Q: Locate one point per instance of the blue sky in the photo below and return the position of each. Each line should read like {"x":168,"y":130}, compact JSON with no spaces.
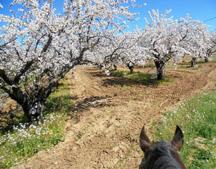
{"x":202,"y":10}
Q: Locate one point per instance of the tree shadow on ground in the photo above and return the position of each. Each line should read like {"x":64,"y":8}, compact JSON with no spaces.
{"x":120,"y":81}
{"x":123,"y":78}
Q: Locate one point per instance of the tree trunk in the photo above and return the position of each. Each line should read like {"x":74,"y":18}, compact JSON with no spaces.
{"x":193,"y":62}
{"x":160,"y":69}
{"x":33,"y":111}
{"x":115,"y":67}
{"x":131,"y":67}
{"x":208,"y":54}
{"x":100,"y":66}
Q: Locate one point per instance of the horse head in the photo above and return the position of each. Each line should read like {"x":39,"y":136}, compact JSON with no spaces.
{"x":162,"y":154}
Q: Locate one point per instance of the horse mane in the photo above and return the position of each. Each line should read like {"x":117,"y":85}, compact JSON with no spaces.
{"x":161,"y":155}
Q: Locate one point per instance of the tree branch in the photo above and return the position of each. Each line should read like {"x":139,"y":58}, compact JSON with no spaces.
{"x":46,"y":45}
{"x":5,"y":77}
{"x":5,"y":44}
{"x":23,"y":70}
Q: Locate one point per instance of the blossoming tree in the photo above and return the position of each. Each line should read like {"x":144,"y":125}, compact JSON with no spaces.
{"x":122,"y":49}
{"x":211,"y":45}
{"x":167,"y":39}
{"x":38,"y":47}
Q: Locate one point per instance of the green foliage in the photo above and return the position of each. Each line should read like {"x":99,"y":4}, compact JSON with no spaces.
{"x":197,"y":118}
{"x":24,"y":141}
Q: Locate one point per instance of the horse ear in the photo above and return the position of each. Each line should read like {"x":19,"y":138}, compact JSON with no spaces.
{"x":177,"y":141}
{"x":145,"y":143}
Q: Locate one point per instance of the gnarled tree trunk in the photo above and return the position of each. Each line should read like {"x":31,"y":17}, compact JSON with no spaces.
{"x":131,"y":67}
{"x":115,"y":67}
{"x":193,"y":62}
{"x":33,"y":111}
{"x":33,"y":95}
{"x":160,"y":69}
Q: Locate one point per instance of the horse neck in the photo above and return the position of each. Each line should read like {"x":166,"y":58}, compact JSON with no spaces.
{"x":177,"y":157}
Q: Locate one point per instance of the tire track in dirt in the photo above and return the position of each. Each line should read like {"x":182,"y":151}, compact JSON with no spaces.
{"x":107,"y":136}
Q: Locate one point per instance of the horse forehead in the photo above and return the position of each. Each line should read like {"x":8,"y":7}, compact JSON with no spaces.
{"x":162,"y":144}
{"x":162,"y":148}
{"x":165,"y":148}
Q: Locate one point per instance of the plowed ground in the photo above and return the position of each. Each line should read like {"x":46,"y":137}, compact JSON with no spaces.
{"x":110,"y":114}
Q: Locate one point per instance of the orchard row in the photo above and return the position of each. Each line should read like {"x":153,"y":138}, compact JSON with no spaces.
{"x":38,"y":46}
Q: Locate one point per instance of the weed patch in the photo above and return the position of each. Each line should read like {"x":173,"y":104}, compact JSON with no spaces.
{"x":23,"y":141}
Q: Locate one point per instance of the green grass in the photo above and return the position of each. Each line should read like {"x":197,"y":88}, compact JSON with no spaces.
{"x":197,"y":118}
{"x":196,"y":67}
{"x":23,"y":142}
{"x":59,"y":99}
{"x":119,"y":73}
{"x":142,"y":78}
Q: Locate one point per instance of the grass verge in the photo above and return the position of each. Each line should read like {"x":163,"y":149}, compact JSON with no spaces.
{"x":22,"y":142}
{"x":197,"y":118}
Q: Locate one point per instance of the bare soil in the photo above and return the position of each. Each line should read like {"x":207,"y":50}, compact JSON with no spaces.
{"x":110,"y":114}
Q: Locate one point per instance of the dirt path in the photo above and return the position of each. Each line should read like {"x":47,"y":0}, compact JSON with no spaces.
{"x":106,"y":133}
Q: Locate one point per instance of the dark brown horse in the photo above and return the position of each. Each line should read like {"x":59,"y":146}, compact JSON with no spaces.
{"x":162,"y":154}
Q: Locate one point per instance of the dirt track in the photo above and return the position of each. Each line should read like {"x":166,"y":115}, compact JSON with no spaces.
{"x":106,"y":134}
